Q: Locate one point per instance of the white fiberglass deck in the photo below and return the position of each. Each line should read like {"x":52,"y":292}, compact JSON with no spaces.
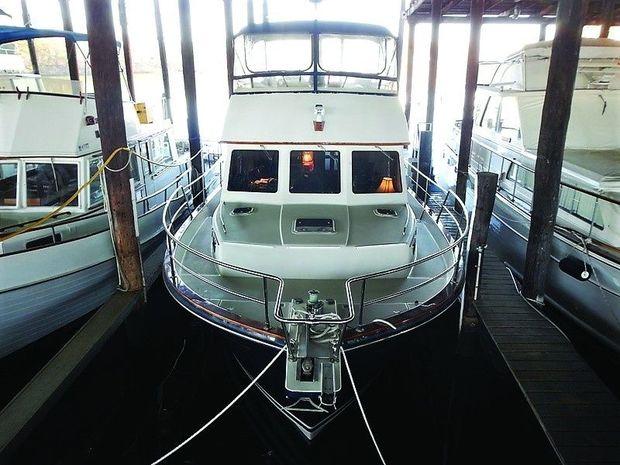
{"x":429,"y":240}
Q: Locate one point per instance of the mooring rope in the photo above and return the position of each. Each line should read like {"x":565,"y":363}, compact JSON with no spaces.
{"x":359,"y":402}
{"x":224,"y":410}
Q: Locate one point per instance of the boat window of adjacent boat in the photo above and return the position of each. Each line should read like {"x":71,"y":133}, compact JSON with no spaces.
{"x":491,"y":110}
{"x":95,"y":192}
{"x":51,"y":183}
{"x":376,"y":172}
{"x":8,"y":184}
{"x":253,"y":171}
{"x":509,"y":121}
{"x":315,"y":172}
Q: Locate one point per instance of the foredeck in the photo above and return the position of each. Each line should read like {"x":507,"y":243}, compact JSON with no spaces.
{"x":198,"y":237}
{"x":577,"y":412}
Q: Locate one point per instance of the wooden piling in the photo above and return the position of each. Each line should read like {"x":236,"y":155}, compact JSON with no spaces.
{"x":409,"y":73}
{"x":189,"y":82}
{"x":67,"y":25}
{"x":31,"y":48}
{"x":486,"y":187}
{"x":433,"y":57}
{"x":108,"y":95}
{"x":552,"y":138}
{"x":163,"y":60}
{"x":265,"y":12}
{"x":122,"y":15}
{"x":471,"y":83}
{"x":230,"y":59}
{"x":542,"y":32}
{"x":607,"y":16}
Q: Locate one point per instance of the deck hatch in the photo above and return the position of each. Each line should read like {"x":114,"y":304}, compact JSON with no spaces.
{"x":314,"y":225}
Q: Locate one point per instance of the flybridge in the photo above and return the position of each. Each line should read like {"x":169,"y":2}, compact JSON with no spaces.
{"x":527,"y":70}
{"x":315,"y":57}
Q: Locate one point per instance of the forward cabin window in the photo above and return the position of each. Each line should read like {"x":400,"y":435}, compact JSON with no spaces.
{"x":253,"y":171}
{"x":8,"y":184}
{"x":376,"y":172}
{"x":51,"y":184}
{"x":95,"y":190}
{"x":315,"y":172}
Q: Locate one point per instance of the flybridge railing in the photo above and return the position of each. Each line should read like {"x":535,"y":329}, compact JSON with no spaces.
{"x":449,"y":210}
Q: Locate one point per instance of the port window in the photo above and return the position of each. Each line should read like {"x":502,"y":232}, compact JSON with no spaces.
{"x":8,"y":184}
{"x":315,"y":172}
{"x":51,"y":184}
{"x":253,"y":171}
{"x":95,"y":191}
{"x":376,"y":172}
{"x":521,"y":176}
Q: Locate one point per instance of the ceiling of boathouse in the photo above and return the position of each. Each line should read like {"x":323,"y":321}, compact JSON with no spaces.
{"x":514,"y":9}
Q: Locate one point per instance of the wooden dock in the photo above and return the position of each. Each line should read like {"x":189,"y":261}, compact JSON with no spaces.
{"x":578,"y":413}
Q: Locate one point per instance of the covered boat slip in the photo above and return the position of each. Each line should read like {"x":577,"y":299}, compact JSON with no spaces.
{"x":197,"y":276}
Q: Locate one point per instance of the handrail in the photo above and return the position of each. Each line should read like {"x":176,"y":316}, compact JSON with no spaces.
{"x":451,"y":247}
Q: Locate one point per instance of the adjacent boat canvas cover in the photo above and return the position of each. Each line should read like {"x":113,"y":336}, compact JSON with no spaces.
{"x":14,"y":33}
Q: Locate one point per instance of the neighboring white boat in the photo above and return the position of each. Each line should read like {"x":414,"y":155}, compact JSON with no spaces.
{"x":49,"y":146}
{"x":320,"y":237}
{"x":584,"y":275}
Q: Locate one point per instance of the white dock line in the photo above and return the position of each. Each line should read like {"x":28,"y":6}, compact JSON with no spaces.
{"x":359,"y":402}
{"x":225,"y":409}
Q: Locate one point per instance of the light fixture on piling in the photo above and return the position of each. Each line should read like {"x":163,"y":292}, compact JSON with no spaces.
{"x":319,"y":117}
{"x":386,"y":186}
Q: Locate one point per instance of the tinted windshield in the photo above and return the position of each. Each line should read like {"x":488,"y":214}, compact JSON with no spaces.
{"x":315,"y":172}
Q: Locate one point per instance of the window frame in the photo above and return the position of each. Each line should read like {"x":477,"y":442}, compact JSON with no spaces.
{"x":311,"y":150}
{"x":18,"y":190}
{"x":399,"y":174}
{"x":52,"y":161}
{"x":90,"y":160}
{"x":276,"y":152}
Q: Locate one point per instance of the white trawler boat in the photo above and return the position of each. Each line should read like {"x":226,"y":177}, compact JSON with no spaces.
{"x":584,"y":275}
{"x":320,"y":237}
{"x":57,"y":271}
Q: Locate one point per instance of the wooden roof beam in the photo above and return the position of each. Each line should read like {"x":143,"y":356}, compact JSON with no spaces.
{"x":413,"y":7}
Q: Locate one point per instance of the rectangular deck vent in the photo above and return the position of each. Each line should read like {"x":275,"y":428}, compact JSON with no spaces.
{"x":314,"y":225}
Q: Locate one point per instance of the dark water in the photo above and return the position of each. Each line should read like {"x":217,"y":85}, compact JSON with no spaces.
{"x":441,"y":400}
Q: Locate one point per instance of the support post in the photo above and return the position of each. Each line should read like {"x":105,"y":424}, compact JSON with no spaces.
{"x":409,"y":74}
{"x":432,"y":63}
{"x":189,"y":81}
{"x":31,"y":49}
{"x":250,"y":10}
{"x":265,"y":12}
{"x":542,"y":32}
{"x":163,"y":60}
{"x":67,"y":25}
{"x":486,"y":187}
{"x":399,"y":40}
{"x":471,"y":82}
{"x":108,"y":95}
{"x":607,"y":17}
{"x":551,"y":141}
{"x":122,"y":15}
{"x":230,"y":60}
{"x":425,"y":164}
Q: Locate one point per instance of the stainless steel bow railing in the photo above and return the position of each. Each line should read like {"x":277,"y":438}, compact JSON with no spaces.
{"x":174,"y":221}
{"x":186,"y":207}
{"x":451,"y":206}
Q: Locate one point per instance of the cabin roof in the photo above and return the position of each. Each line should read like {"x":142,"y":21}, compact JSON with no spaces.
{"x":15,"y":33}
{"x":312,"y":27}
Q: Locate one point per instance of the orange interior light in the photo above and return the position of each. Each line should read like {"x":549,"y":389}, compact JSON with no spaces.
{"x":386,"y":186}
{"x":307,"y":160}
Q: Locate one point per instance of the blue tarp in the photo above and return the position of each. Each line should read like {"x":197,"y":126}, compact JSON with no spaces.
{"x":13,"y":33}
